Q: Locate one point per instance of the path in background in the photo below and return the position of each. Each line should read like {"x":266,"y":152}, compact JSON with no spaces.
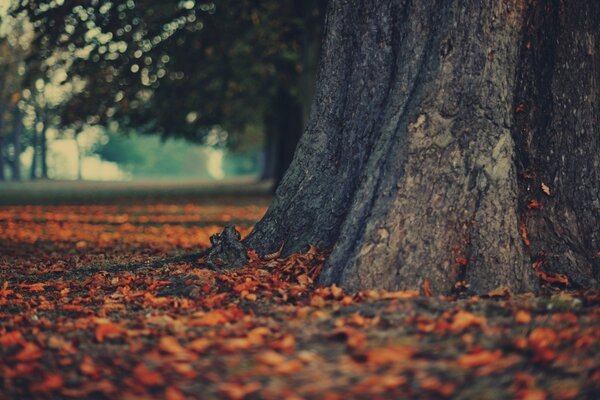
{"x":91,"y":192}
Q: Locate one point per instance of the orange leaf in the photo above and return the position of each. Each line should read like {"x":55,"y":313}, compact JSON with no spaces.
{"x":11,"y":339}
{"x":170,"y":345}
{"x":108,"y":330}
{"x":553,"y":278}
{"x":87,"y":367}
{"x":524,"y":234}
{"x":199,"y":344}
{"x":270,"y":358}
{"x":237,"y":391}
{"x":545,"y":189}
{"x":173,"y":393}
{"x":30,"y":352}
{"x":522,"y":317}
{"x":484,"y":357}
{"x":147,"y":377}
{"x":542,"y":337}
{"x":217,"y":317}
{"x":427,"y":288}
{"x":289,"y":367}
{"x":389,"y":354}
{"x":407,"y":294}
{"x":534,"y":205}
{"x":50,"y":383}
{"x":464,"y":319}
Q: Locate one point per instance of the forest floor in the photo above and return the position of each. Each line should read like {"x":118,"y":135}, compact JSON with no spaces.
{"x":89,"y":308}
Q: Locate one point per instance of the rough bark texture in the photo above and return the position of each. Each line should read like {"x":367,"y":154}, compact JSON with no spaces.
{"x":558,"y":136}
{"x":408,"y":167}
{"x":227,"y":250}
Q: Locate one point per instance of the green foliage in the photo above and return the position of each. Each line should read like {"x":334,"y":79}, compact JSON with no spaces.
{"x":177,"y":68}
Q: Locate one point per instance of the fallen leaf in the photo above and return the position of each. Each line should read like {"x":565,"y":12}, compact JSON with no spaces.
{"x":11,"y":339}
{"x":147,"y":377}
{"x":108,"y":330}
{"x":389,"y":354}
{"x":50,"y":383}
{"x":545,"y":189}
{"x":30,"y":352}
{"x":237,"y":391}
{"x":173,"y":393}
{"x":478,"y":359}
{"x":427,"y":288}
{"x":524,"y":234}
{"x":464,"y":319}
{"x":522,"y":317}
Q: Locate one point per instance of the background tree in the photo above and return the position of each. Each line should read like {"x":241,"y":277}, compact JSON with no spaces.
{"x":180,"y":68}
{"x":451,"y":143}
{"x":13,"y":50}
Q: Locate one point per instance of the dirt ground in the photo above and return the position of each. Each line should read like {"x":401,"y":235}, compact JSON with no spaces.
{"x":112,"y":301}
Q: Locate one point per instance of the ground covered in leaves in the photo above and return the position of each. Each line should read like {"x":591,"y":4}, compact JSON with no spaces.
{"x":103,"y":302}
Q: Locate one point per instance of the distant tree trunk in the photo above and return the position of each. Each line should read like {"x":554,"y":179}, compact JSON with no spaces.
{"x":283,"y":128}
{"x":2,"y":177}
{"x":17,"y":135}
{"x":44,"y":149}
{"x":436,"y":130}
{"x":79,"y":157}
{"x":34,"y":145}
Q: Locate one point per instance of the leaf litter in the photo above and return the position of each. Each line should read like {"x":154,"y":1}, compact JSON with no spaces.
{"x":77,"y":322}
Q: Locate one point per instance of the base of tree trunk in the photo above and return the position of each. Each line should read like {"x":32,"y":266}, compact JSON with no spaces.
{"x":451,"y":144}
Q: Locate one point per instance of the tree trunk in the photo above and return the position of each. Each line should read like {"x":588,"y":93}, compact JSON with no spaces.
{"x":283,"y":128}
{"x":17,"y":134}
{"x":34,"y":144}
{"x":44,"y":148}
{"x":79,"y":158}
{"x":2,"y":177}
{"x":417,"y":161}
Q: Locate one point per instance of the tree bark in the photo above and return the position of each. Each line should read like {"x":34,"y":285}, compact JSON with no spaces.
{"x":34,"y":144}
{"x":79,"y":157}
{"x":283,"y":128}
{"x":2,"y":177}
{"x":17,"y":134}
{"x":44,"y":150}
{"x":414,"y":164}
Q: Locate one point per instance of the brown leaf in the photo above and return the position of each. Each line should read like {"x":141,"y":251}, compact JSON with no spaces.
{"x":484,"y":357}
{"x":389,"y":354}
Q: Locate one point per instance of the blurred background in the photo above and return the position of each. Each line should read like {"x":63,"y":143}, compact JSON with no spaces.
{"x":154,"y":90}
